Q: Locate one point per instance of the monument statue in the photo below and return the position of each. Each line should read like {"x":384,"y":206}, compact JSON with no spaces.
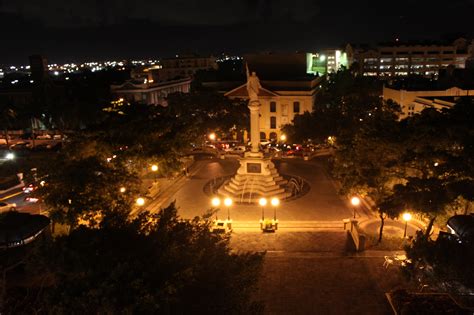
{"x":257,"y":176}
{"x":253,"y":85}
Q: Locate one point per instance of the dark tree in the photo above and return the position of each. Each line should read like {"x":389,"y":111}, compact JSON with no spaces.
{"x":153,"y":264}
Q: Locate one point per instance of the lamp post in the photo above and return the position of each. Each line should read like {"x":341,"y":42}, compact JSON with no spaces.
{"x":263,"y":202}
{"x":154,"y":169}
{"x":355,"y":201}
{"x":283,"y":138}
{"x":212,"y":136}
{"x":216,"y":202}
{"x":275,"y":203}
{"x":406,"y":217}
{"x":123,"y":189}
{"x":228,"y":203}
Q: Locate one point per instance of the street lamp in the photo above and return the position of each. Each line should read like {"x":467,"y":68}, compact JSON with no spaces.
{"x":228,"y":203}
{"x":154,"y":169}
{"x":355,"y":201}
{"x":283,"y":138}
{"x":140,"y":201}
{"x":275,"y":203}
{"x":123,"y":189}
{"x":212,"y":136}
{"x":263,"y":202}
{"x":216,"y":202}
{"x":407,"y":217}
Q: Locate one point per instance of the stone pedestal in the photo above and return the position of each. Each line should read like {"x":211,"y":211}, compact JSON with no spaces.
{"x":256,"y":177}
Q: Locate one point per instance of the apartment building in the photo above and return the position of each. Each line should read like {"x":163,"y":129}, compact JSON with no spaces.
{"x":402,"y":59}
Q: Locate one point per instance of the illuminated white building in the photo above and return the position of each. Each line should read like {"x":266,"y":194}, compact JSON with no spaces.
{"x":414,"y":101}
{"x":280,"y":102}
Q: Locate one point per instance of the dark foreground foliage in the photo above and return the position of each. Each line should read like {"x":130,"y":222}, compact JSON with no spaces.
{"x":154,"y":264}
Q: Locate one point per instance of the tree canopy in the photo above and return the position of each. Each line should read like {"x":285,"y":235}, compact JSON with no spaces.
{"x":152,"y":264}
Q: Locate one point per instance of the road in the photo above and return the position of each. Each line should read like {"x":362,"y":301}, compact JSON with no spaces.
{"x":17,"y":196}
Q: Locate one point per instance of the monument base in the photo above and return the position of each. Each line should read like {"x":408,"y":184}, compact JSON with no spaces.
{"x":256,"y":177}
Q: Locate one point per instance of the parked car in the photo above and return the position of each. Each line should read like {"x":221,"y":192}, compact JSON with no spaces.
{"x":240,"y":150}
{"x":43,"y":137}
{"x":31,"y":199}
{"x":21,"y":145}
{"x":29,"y":188}
{"x":5,"y":206}
{"x":43,"y":147}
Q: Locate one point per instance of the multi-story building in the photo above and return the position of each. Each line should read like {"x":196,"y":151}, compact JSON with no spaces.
{"x":184,"y":66}
{"x":280,"y":102}
{"x":402,"y":59}
{"x":150,"y":93}
{"x":414,"y":101}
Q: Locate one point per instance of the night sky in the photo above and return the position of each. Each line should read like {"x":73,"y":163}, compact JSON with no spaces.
{"x":102,"y":29}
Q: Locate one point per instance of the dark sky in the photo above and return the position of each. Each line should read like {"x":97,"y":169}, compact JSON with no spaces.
{"x":71,"y":30}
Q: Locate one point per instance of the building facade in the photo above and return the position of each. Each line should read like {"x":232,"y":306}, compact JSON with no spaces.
{"x":413,"y":102}
{"x":150,"y":93}
{"x":402,"y":59}
{"x":280,"y":102}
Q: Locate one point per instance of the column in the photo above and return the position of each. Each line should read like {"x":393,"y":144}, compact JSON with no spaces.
{"x":254,"y":125}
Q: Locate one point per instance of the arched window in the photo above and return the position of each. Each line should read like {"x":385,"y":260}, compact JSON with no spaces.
{"x":273,"y":136}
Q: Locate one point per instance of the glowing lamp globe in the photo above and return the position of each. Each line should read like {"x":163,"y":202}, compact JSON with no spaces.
{"x":228,"y":202}
{"x":215,"y":202}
